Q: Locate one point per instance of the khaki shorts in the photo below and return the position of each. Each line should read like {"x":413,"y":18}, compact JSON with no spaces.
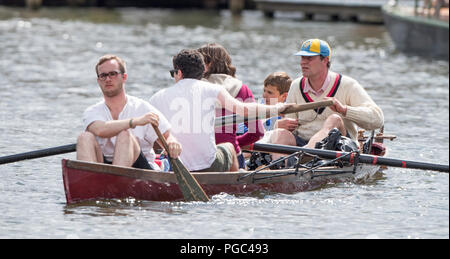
{"x":223,"y":161}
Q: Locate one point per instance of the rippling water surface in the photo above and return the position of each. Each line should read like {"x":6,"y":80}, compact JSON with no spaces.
{"x":47,"y":77}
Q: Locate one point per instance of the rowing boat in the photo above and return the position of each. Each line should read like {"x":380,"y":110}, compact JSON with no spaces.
{"x":88,"y":181}
{"x":94,"y":181}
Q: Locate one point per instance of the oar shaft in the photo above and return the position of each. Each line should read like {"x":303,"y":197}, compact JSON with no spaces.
{"x":363,"y":158}
{"x":236,"y":119}
{"x":38,"y":154}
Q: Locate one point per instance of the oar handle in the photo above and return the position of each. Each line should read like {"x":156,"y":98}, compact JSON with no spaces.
{"x":235,"y":119}
{"x":307,"y":106}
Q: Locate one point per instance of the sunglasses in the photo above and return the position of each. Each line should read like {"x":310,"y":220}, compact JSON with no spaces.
{"x":112,"y":75}
{"x":172,"y":72}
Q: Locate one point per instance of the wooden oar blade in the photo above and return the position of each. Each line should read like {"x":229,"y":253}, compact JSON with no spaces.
{"x":188,"y":184}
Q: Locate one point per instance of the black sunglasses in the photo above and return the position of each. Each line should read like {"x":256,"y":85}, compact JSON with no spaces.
{"x":172,"y":72}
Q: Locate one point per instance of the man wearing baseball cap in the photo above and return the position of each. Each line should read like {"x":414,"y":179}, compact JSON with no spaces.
{"x":352,"y":107}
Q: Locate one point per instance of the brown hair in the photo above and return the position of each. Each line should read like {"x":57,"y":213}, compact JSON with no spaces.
{"x":103,"y":59}
{"x":218,"y":60}
{"x":279,"y":79}
{"x":329,"y":62}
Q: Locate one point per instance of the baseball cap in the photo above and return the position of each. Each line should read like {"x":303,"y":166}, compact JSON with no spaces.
{"x":314,"y":47}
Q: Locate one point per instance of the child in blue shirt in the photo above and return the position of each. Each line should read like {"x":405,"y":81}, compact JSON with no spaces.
{"x":276,"y":88}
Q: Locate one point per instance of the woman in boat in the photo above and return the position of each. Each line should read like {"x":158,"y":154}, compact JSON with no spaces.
{"x":190,"y":106}
{"x":117,"y":129}
{"x":220,"y":71}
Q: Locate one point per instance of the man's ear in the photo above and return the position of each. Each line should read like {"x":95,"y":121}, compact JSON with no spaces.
{"x":125,"y":76}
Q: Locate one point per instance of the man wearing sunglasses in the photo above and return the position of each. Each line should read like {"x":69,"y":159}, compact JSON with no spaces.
{"x":117,"y":129}
{"x":190,"y":107}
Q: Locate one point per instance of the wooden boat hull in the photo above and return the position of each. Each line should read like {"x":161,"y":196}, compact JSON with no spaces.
{"x":93,"y":181}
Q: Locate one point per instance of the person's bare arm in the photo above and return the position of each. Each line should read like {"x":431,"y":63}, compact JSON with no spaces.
{"x":248,"y":109}
{"x":108,"y":129}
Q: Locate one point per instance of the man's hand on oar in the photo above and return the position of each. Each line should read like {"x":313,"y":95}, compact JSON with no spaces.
{"x":174,"y":146}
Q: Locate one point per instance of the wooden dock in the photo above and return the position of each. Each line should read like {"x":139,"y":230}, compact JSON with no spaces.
{"x":235,"y":6}
{"x":353,"y":10}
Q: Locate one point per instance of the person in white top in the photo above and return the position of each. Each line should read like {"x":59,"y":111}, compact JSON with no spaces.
{"x":117,"y":129}
{"x":190,"y":105}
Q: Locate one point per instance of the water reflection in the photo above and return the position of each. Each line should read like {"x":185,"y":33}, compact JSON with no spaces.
{"x":119,"y":207}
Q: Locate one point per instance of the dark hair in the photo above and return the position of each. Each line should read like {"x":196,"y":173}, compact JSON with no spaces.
{"x":329,"y":62}
{"x":190,"y":62}
{"x":218,"y":60}
{"x":280,"y":80}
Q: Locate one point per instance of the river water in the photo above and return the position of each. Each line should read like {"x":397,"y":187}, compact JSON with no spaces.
{"x":47,"y":77}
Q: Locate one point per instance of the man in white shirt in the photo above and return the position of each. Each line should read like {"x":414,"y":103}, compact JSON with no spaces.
{"x":190,"y":106}
{"x":117,"y":129}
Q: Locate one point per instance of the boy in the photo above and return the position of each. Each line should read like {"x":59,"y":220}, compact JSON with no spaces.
{"x":276,"y":88}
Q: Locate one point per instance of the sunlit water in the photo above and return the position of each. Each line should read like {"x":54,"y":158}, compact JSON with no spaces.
{"x":47,"y":79}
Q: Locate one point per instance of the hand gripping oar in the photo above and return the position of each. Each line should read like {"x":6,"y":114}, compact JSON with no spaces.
{"x":363,"y":158}
{"x":236,"y":119}
{"x":38,"y":154}
{"x":191,"y":189}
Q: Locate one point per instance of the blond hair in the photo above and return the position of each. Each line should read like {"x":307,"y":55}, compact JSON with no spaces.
{"x":103,"y":59}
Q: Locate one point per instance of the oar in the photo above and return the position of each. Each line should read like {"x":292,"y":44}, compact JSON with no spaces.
{"x":191,"y":189}
{"x":363,"y":158}
{"x":236,"y":119}
{"x":38,"y":153}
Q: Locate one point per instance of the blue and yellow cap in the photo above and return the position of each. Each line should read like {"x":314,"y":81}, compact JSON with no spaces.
{"x":314,"y":47}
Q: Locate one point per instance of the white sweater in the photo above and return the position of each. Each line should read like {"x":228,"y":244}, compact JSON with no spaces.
{"x":361,"y":109}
